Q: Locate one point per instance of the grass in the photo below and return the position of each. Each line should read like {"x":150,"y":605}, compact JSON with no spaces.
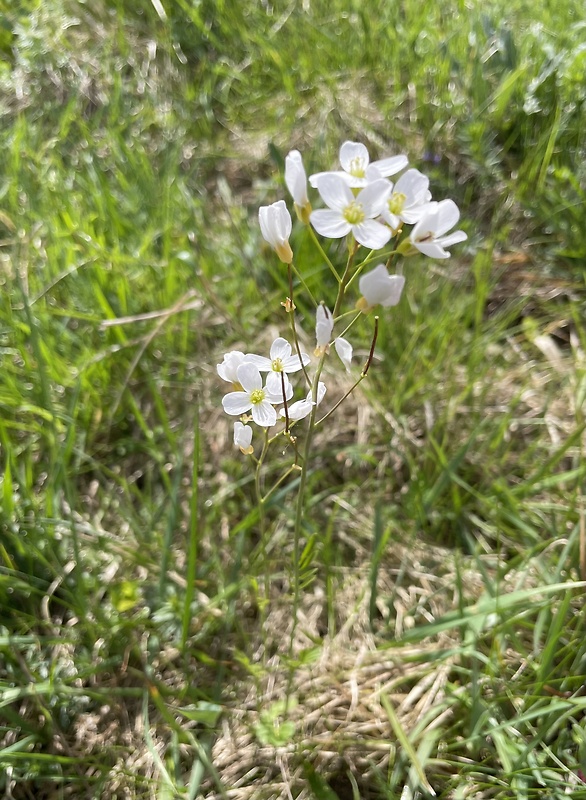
{"x":441,"y":638}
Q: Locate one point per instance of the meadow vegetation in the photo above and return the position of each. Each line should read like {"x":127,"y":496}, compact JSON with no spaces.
{"x":440,"y":647}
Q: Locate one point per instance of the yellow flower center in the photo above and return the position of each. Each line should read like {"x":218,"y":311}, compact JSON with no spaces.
{"x":354,"y":213}
{"x":277,"y":365}
{"x":257,"y":396}
{"x":357,"y":167}
{"x":396,"y":202}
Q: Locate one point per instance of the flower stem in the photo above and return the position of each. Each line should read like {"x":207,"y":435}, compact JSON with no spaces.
{"x":323,"y":253}
{"x":260,"y":500}
{"x":299,"y":508}
{"x":291,"y":267}
{"x":363,"y":374}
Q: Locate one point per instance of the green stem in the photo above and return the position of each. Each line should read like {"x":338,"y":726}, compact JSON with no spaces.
{"x":323,"y":254}
{"x":291,"y":267}
{"x":299,"y":512}
{"x":363,"y":374}
{"x":263,"y":539}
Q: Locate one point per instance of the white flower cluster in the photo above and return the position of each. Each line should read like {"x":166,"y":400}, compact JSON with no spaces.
{"x":361,"y":200}
{"x":363,"y":204}
{"x":243,"y":371}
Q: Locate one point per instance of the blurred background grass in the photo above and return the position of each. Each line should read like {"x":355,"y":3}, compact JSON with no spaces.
{"x":137,"y":141}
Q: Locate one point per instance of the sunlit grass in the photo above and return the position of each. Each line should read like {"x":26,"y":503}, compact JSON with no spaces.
{"x":137,"y":142}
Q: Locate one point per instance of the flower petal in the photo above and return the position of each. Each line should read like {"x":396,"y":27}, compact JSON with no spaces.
{"x":274,"y":385}
{"x":264,"y":414}
{"x":392,"y":165}
{"x":374,"y":196}
{"x":324,"y":324}
{"x":329,"y":223}
{"x":280,"y":348}
{"x":236,"y":403}
{"x":293,"y":364}
{"x":344,"y":350}
{"x":335,"y":192}
{"x":295,"y":178}
{"x":353,"y":154}
{"x":249,"y":376}
{"x":298,"y":410}
{"x":414,"y":185}
{"x":431,"y":249}
{"x":452,"y":238}
{"x":371,"y":234}
{"x":448,"y":215}
{"x":242,"y":435}
{"x":227,"y":369}
{"x":262,"y":363}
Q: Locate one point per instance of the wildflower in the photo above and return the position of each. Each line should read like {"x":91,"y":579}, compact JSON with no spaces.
{"x":275,"y":226}
{"x":227,"y":369}
{"x":296,"y":181}
{"x":357,"y":171}
{"x":324,"y":324}
{"x":428,"y":234}
{"x":349,"y":214}
{"x":279,"y":363}
{"x":253,"y":396}
{"x":344,"y":351}
{"x":408,"y":199}
{"x":243,"y":438}
{"x":377,"y":287}
{"x":302,"y":408}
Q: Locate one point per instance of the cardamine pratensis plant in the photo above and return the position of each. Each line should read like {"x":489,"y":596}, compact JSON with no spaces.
{"x":370,"y":210}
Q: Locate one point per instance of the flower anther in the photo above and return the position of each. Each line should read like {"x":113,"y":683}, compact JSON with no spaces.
{"x":354,"y":213}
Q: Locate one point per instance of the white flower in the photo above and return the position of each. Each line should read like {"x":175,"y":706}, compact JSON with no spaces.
{"x":324,"y":325}
{"x":302,"y":408}
{"x":428,"y":234}
{"x":346,"y":213}
{"x":275,"y":226}
{"x":408,"y":199}
{"x":296,"y":181}
{"x":357,"y":171}
{"x":227,"y":369}
{"x":344,"y":350}
{"x":378,"y":287}
{"x":280,"y":362}
{"x":254,"y":397}
{"x":243,"y":438}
